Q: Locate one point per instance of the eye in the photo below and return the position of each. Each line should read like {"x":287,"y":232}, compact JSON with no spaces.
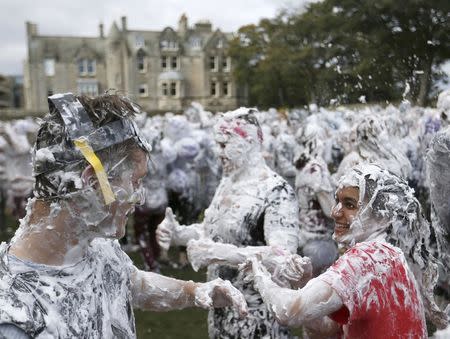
{"x":221,"y":145}
{"x":350,"y":205}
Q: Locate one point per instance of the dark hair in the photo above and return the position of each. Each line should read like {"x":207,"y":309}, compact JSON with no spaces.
{"x":52,"y":134}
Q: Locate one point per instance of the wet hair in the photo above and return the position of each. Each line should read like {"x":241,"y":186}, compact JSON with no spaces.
{"x":52,"y":134}
{"x":390,"y":199}
{"x":247,"y":117}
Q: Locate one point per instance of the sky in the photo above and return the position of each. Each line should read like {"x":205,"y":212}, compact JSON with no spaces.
{"x":82,"y":17}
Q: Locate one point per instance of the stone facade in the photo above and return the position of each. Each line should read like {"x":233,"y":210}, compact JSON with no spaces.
{"x":163,"y":70}
{"x":6,"y":95}
{"x":11,"y":92}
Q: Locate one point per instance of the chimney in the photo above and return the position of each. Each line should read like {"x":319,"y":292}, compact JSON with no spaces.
{"x":100,"y":29}
{"x":124,"y":23}
{"x":31,"y":29}
{"x":203,"y":26}
{"x":182,"y":25}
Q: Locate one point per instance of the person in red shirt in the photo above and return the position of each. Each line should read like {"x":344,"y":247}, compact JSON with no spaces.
{"x":382,"y":286}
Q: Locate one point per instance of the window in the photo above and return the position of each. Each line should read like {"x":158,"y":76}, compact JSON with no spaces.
{"x":164,"y":89}
{"x":141,"y":62}
{"x":164,"y":62}
{"x":169,"y":45}
{"x":213,"y":63}
{"x":174,"y":64}
{"x":81,"y":67}
{"x":213,"y":88}
{"x":143,"y":90}
{"x":226,"y":88}
{"x":173,"y":89}
{"x":90,"y":66}
{"x":86,"y":66}
{"x":88,"y":87}
{"x":196,"y":43}
{"x":226,"y":64}
{"x":140,"y":41}
{"x":49,"y":67}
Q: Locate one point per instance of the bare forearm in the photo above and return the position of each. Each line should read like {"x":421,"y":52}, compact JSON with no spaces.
{"x":155,"y":292}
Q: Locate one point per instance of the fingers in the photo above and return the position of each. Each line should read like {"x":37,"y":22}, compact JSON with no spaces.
{"x":169,"y":215}
{"x":237,"y":299}
{"x":165,"y":230}
{"x":163,"y":237}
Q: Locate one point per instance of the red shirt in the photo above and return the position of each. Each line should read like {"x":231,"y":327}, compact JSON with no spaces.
{"x":380,"y":294}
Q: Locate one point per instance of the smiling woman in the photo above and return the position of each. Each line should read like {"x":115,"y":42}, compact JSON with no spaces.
{"x":345,"y":210}
{"x":383,"y":284}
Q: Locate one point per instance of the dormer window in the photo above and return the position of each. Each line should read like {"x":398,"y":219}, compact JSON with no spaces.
{"x":90,"y":66}
{"x":86,"y":66}
{"x":49,"y":67}
{"x":140,"y":41}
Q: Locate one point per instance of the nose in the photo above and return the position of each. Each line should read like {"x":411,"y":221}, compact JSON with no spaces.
{"x":336,"y":211}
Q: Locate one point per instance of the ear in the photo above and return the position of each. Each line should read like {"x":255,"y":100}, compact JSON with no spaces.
{"x":88,"y":177}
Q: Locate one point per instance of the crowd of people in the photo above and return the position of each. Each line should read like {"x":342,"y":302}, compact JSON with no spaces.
{"x":334,"y":219}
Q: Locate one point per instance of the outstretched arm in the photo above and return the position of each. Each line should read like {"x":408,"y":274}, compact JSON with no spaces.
{"x":281,"y":233}
{"x":307,"y":306}
{"x":156,"y":292}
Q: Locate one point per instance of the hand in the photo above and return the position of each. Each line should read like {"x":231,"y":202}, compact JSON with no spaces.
{"x":220,"y":293}
{"x":253,"y":268}
{"x":200,"y":252}
{"x":295,"y":271}
{"x":165,"y":230}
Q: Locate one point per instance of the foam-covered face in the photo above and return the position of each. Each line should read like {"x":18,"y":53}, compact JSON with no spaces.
{"x":233,"y":151}
{"x":110,"y":220}
{"x":238,"y":141}
{"x":129,"y":191}
{"x":356,"y":214}
{"x":344,"y":213}
{"x":354,"y":220}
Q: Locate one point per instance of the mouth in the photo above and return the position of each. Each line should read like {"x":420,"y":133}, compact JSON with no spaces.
{"x":340,"y":229}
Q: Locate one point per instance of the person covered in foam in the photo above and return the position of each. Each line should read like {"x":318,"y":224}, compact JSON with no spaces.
{"x":382,"y":286}
{"x":254,"y":210}
{"x":314,"y":189}
{"x":64,"y":275}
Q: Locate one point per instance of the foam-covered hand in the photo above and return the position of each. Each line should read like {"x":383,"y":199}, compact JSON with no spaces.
{"x":295,"y":271}
{"x":165,"y":230}
{"x":220,"y":293}
{"x":201,"y":252}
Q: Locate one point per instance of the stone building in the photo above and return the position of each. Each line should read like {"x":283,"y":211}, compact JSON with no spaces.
{"x":11,"y":92}
{"x":163,"y":70}
{"x":5,"y":92}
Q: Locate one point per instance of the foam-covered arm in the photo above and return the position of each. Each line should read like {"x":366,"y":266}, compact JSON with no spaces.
{"x":295,"y":308}
{"x":183,"y":234}
{"x":204,"y":252}
{"x":154,"y":292}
